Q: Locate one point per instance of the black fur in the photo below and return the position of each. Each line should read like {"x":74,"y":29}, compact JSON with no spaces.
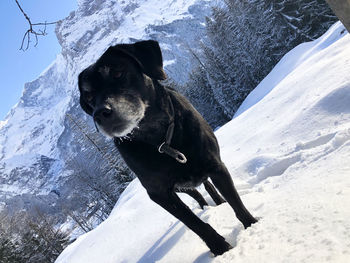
{"x":160,"y":174}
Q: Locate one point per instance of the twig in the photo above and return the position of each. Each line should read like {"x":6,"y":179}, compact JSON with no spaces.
{"x":31,"y":31}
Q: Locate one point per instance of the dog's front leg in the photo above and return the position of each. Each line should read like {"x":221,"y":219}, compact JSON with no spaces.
{"x":173,"y":204}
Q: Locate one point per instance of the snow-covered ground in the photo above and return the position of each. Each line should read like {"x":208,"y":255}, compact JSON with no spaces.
{"x":288,"y":151}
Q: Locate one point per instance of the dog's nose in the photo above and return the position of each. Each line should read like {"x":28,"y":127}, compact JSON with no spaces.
{"x":102,"y":114}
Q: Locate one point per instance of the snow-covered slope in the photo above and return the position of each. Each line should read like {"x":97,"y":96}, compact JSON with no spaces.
{"x":288,"y":152}
{"x":35,"y":137}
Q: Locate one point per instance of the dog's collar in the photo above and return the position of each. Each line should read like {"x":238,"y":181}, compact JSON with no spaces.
{"x":165,"y":146}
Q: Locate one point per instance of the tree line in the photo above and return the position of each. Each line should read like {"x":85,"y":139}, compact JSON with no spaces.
{"x":245,"y":40}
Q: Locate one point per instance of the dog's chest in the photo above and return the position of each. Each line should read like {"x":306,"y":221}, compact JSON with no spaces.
{"x":150,"y":165}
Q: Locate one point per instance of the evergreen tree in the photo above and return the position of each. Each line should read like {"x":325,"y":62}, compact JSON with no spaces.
{"x":24,"y":238}
{"x":99,"y":176}
{"x":246,"y":38}
{"x":199,"y":92}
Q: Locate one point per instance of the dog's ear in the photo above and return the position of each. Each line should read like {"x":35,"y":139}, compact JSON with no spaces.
{"x":148,"y":55}
{"x":83,"y":104}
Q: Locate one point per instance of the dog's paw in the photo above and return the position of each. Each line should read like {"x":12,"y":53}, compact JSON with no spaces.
{"x":220,"y":248}
{"x":250,"y":222}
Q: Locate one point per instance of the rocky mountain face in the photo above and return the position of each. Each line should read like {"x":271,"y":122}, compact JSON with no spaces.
{"x":35,"y":137}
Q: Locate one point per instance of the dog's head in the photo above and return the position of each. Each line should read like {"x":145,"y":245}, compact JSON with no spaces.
{"x":116,"y":91}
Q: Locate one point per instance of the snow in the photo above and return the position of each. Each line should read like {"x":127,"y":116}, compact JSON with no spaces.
{"x":168,"y":62}
{"x":131,"y":20}
{"x":288,"y":63}
{"x":3,"y":123}
{"x":288,"y":152}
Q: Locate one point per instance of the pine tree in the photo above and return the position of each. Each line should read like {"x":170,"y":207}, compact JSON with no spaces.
{"x":199,"y":92}
{"x":27,"y":238}
{"x":99,"y":176}
{"x":247,"y":38}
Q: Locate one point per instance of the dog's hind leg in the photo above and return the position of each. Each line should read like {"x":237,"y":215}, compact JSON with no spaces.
{"x":173,"y":204}
{"x":194,"y":194}
{"x":213,"y":193}
{"x":222,"y":180}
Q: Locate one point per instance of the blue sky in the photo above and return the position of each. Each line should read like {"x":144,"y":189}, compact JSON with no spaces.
{"x":18,"y":67}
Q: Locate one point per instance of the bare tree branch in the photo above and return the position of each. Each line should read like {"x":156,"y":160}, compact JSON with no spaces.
{"x":31,"y":31}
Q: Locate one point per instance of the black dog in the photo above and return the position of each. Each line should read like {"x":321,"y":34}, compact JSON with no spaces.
{"x":162,"y":138}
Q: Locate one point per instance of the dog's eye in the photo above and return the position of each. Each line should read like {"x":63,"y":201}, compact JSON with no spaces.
{"x":117,"y":74}
{"x":88,"y":96}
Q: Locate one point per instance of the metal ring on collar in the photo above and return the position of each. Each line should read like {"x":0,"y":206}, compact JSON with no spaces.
{"x":160,"y":148}
{"x":178,"y":156}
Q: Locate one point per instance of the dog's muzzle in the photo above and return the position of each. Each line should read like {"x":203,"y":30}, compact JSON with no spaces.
{"x":118,"y":118}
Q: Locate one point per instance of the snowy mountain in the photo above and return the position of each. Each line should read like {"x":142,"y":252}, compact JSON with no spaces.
{"x":288,"y":151}
{"x":34,"y":137}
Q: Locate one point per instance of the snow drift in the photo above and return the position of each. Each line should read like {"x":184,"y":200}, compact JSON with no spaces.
{"x":288,"y":152}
